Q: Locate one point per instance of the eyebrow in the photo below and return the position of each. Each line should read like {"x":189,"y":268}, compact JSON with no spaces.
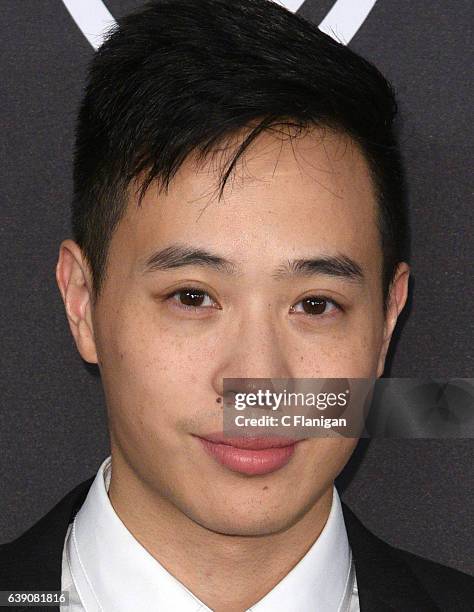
{"x":179,"y":256}
{"x":339,"y":266}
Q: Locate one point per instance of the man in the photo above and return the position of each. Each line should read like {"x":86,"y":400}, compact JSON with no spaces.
{"x":238,"y":213}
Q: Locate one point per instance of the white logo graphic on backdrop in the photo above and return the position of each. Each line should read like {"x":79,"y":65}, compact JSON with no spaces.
{"x":341,"y":23}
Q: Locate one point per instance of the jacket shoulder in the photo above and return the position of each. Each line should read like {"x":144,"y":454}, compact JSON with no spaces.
{"x":450,"y":587}
{"x":33,"y":560}
{"x":400,"y":580}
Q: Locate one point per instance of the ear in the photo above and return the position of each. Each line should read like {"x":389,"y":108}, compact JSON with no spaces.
{"x":396,"y":302}
{"x":75,"y":284}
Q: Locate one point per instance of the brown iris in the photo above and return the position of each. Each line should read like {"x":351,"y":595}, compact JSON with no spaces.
{"x":314,"y":305}
{"x":191,"y":297}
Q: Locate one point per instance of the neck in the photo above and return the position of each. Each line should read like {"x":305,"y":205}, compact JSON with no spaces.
{"x":226,"y":572}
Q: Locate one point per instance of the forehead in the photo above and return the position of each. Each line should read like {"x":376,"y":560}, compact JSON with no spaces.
{"x":286,"y":196}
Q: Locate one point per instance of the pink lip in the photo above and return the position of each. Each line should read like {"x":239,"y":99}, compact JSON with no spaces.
{"x":247,"y":455}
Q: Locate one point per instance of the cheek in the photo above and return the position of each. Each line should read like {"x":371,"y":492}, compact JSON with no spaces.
{"x":351,"y":351}
{"x":323,"y":461}
{"x":150,"y":373}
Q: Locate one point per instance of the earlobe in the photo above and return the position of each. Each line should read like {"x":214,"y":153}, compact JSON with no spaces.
{"x":397,"y":300}
{"x":74,"y":282}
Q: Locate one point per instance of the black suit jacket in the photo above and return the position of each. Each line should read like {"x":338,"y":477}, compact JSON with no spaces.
{"x":389,"y":579}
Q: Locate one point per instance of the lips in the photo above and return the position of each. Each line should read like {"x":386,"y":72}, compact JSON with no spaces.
{"x":249,"y":455}
{"x":251,"y":442}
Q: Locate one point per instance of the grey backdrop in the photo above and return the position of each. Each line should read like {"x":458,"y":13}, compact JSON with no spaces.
{"x":417,"y":494}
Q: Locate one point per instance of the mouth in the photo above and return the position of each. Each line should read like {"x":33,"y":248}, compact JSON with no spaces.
{"x":249,"y":455}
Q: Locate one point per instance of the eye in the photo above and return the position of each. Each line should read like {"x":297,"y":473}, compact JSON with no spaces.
{"x":315,"y":305}
{"x":191,"y":298}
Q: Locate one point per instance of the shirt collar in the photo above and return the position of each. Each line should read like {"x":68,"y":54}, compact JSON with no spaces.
{"x":113,"y":571}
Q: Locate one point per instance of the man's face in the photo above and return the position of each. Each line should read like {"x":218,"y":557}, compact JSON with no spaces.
{"x":164,"y":350}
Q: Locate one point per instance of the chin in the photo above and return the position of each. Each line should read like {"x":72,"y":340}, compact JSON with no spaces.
{"x":249,"y":526}
{"x":247,"y":519}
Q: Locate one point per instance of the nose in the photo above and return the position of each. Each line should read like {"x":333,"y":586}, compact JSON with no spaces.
{"x":256,"y":348}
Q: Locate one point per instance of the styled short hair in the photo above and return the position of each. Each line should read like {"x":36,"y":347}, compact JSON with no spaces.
{"x":181,"y":76}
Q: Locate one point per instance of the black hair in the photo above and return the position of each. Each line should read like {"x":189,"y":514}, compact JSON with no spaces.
{"x":180,"y":76}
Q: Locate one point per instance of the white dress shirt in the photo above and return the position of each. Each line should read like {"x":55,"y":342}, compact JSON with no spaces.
{"x":106,"y":569}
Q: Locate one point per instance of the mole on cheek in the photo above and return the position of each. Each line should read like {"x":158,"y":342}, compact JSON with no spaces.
{"x":219,"y":400}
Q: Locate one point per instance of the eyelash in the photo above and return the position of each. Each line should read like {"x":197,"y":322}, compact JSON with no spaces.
{"x":201,"y":292}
